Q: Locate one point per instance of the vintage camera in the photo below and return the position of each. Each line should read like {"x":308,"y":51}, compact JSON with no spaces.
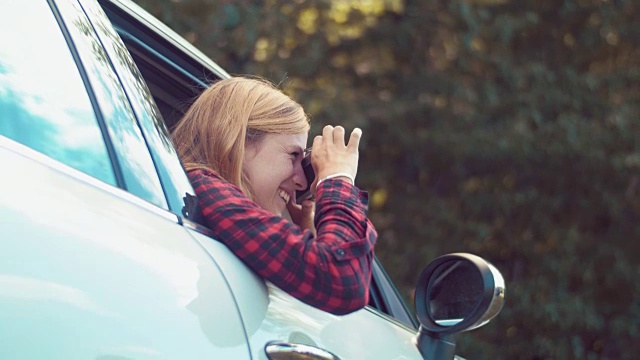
{"x":305,"y":194}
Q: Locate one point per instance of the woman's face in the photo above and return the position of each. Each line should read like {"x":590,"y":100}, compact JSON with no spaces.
{"x":274,"y":167}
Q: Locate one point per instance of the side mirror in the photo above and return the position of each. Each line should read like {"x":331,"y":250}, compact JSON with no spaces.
{"x":455,"y":293}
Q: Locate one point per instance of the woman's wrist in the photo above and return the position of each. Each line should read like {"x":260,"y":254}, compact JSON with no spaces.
{"x":343,"y":176}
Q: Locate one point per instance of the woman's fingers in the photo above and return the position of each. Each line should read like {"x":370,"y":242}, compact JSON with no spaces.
{"x":338,"y":135}
{"x":331,"y":156}
{"x":335,"y":135}
{"x":317,"y":141}
{"x":327,"y":134}
{"x":354,"y":139}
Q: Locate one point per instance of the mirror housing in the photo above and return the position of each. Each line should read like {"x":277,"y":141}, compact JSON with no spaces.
{"x":455,"y":293}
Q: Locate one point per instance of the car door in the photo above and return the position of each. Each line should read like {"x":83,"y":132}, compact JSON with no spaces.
{"x":93,"y":263}
{"x":271,"y":315}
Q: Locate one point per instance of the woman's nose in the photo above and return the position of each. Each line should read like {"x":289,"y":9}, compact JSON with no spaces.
{"x":299,"y":179}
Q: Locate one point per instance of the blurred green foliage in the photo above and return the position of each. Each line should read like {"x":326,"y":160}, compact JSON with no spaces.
{"x":505,"y":128}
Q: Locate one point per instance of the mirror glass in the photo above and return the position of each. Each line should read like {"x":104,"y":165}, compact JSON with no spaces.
{"x":455,"y":289}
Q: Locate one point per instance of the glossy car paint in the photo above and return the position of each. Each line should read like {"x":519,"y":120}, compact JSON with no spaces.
{"x":88,"y":271}
{"x":271,"y":314}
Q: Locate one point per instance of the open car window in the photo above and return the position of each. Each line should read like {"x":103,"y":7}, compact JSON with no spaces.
{"x":175,"y":72}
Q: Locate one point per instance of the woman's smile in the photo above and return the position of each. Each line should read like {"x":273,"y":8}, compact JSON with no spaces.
{"x":284,"y":195}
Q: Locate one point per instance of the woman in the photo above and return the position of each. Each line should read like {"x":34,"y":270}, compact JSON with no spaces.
{"x":242,"y":143}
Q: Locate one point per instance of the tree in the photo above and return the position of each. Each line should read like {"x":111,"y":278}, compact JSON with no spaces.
{"x":503,"y":128}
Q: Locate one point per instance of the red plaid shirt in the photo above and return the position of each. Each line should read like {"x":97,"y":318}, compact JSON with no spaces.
{"x":331,"y":271}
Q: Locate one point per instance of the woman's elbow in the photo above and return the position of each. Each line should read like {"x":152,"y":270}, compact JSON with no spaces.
{"x":348,"y":301}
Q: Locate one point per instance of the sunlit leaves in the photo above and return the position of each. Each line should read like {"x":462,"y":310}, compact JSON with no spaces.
{"x":501,"y":127}
{"x":308,"y":20}
{"x":261,"y":52}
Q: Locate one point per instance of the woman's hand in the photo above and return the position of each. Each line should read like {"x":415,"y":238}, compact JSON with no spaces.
{"x":330,"y":155}
{"x":302,"y":215}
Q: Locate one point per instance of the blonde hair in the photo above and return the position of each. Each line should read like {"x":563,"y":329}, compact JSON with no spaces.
{"x":228,"y":115}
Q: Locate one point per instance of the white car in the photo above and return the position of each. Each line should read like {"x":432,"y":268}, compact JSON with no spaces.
{"x":102,"y":256}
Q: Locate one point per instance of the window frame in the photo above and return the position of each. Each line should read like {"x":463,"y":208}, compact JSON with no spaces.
{"x":163,"y":55}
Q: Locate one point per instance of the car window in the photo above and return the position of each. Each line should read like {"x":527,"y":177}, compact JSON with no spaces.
{"x":175,"y":183}
{"x":174,"y":70}
{"x":43,"y":100}
{"x":136,"y":168}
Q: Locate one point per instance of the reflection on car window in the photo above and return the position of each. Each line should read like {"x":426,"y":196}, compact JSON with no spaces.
{"x":177,"y":187}
{"x":43,"y":101}
{"x":135,"y":163}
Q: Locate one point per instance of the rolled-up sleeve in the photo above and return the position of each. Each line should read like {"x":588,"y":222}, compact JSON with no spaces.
{"x":331,"y":271}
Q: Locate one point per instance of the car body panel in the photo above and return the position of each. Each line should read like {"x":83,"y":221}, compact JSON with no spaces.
{"x":270,"y":314}
{"x":86,"y":273}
